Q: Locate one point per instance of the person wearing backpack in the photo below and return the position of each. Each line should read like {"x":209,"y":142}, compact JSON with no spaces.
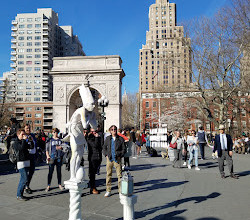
{"x":21,"y":146}
{"x":202,"y":139}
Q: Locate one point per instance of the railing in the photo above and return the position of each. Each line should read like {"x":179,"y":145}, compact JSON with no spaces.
{"x":48,"y":110}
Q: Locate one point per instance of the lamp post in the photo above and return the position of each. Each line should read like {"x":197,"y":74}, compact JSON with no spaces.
{"x":103,"y":102}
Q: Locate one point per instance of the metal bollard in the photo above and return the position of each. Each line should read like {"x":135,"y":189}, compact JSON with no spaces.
{"x":127,"y":198}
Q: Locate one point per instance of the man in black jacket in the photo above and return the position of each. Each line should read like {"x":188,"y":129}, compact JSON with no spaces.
{"x":21,"y":146}
{"x":113,"y":149}
{"x":94,"y":157}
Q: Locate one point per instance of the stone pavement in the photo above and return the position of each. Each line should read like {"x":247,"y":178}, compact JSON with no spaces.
{"x":163,"y":192}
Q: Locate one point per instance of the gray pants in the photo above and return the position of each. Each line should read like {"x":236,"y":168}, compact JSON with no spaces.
{"x":225,"y":156}
{"x":177,"y":158}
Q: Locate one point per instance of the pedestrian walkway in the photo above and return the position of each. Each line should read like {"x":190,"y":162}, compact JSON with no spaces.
{"x":163,"y":192}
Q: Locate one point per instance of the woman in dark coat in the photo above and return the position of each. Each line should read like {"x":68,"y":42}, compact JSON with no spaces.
{"x":94,"y":157}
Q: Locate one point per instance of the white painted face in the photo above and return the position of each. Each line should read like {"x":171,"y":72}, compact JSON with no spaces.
{"x":87,"y":98}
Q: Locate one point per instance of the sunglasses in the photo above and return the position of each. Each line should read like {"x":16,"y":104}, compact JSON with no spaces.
{"x":113,"y":129}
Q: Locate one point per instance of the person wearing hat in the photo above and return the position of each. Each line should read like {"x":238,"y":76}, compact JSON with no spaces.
{"x":223,"y":144}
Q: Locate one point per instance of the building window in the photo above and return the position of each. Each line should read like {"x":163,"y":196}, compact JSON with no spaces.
{"x":29,"y":50}
{"x":21,"y":26}
{"x":147,"y":114}
{"x":29,"y":32}
{"x":28,"y":69}
{"x":37,"y":69}
{"x":37,"y":93}
{"x":38,"y":56}
{"x":29,"y":62}
{"x":37,"y":25}
{"x":36,"y":99}
{"x":37,"y":43}
{"x":38,"y":108}
{"x":154,"y":104}
{"x":28,"y":93}
{"x":29,"y":56}
{"x":38,"y":115}
{"x":147,"y":104}
{"x":38,"y":19}
{"x":29,"y":109}
{"x":38,"y":122}
{"x":28,"y":115}
{"x":29,"y":25}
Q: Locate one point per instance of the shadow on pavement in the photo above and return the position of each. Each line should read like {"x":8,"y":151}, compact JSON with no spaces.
{"x":157,"y":184}
{"x":170,"y":215}
{"x":48,"y":194}
{"x":209,"y":165}
{"x":146,"y":166}
{"x":197,"y":199}
{"x":208,"y":218}
{"x":244,"y":173}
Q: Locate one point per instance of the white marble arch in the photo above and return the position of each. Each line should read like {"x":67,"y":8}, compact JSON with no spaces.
{"x":104,"y":74}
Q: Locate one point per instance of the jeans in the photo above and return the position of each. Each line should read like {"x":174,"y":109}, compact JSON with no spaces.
{"x":23,"y":180}
{"x":31,"y":169}
{"x":202,"y":146}
{"x":195,"y":154}
{"x":58,"y":170}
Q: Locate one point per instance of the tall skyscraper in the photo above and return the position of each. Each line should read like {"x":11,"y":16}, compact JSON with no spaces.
{"x":164,"y":63}
{"x":37,"y":38}
{"x":165,"y":58}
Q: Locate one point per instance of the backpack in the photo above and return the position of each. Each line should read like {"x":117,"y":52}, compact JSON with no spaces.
{"x":13,"y":154}
{"x":152,"y":152}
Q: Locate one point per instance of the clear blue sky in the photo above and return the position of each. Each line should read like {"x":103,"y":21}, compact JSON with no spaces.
{"x":104,"y":27}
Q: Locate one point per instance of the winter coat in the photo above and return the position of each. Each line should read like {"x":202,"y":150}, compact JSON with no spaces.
{"x":21,"y":146}
{"x":120,"y":148}
{"x":94,"y":148}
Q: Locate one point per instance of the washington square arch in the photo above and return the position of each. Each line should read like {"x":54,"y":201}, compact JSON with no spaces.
{"x":104,"y":76}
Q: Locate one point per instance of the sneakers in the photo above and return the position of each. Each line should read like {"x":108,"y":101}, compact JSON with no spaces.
{"x":107,"y":194}
{"x":189,"y":166}
{"x":197,"y":168}
{"x":185,"y":164}
{"x":123,"y":167}
{"x":47,"y":189}
{"x":22,"y":198}
{"x":61,"y":187}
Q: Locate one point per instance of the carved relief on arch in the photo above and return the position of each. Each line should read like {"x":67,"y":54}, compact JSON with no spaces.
{"x":100,"y":87}
{"x":70,"y":91}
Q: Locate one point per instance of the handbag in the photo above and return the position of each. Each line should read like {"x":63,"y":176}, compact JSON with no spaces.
{"x":50,"y":161}
{"x":174,"y":145}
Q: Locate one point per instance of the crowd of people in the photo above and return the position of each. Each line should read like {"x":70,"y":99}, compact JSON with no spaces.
{"x":114,"y":145}
{"x":191,"y":143}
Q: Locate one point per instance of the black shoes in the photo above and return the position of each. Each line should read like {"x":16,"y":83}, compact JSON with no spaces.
{"x":22,"y":198}
{"x":28,"y":191}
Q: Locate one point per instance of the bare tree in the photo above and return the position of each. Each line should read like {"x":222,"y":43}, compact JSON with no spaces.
{"x":129,"y":110}
{"x":220,"y":58}
{"x":6,"y":104}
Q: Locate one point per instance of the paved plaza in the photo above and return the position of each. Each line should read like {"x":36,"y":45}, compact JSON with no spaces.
{"x":163,"y":192}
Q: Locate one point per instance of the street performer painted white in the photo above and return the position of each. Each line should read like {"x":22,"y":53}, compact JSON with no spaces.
{"x":80,"y":120}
